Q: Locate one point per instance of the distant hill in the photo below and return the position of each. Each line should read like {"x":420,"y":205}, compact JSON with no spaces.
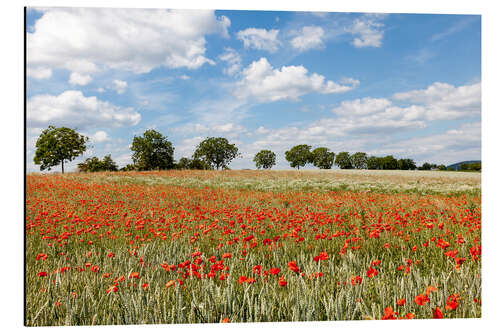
{"x":456,"y":166}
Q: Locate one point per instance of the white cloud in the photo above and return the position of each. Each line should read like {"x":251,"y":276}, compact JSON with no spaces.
{"x":119,"y":86}
{"x":368,"y":30}
{"x":260,"y":39}
{"x":79,"y":79}
{"x":309,"y":38}
{"x":85,"y":40}
{"x":454,"y":145}
{"x":233,"y":60}
{"x":39,"y":72}
{"x":266,"y":84}
{"x":72,"y":109}
{"x":184,"y":77}
{"x":445,"y":101}
{"x":99,"y":136}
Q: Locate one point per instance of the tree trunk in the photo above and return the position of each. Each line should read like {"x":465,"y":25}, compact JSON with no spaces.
{"x":62,"y":166}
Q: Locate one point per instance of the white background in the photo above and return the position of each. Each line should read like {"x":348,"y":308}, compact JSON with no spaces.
{"x":11,"y":201}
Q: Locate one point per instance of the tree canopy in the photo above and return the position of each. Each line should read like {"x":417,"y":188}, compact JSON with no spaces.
{"x":217,"y":152}
{"x":323,"y":158}
{"x":265,"y":159}
{"x":152,"y":151}
{"x":93,"y":164}
{"x":359,"y":160}
{"x":343,"y":160}
{"x":299,"y":156}
{"x":58,"y":144}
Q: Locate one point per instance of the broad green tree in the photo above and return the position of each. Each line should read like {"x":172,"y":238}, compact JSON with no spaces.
{"x":299,"y":156}
{"x":93,"y":164}
{"x":217,"y":152}
{"x":372,"y":163}
{"x":343,"y":160}
{"x":359,"y":160}
{"x":152,"y":151}
{"x":265,"y":159}
{"x":58,"y":144}
{"x":389,"y":163}
{"x":323,"y":158}
{"x":407,"y":164}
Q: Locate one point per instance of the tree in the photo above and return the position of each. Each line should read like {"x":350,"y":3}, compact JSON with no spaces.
{"x":343,"y":160}
{"x":372,"y":163}
{"x":129,"y":167}
{"x":93,"y":164}
{"x":389,"y":163}
{"x":265,"y":159}
{"x":299,"y":156}
{"x":323,"y":158}
{"x":442,"y":167}
{"x":217,"y":152}
{"x":407,"y":164}
{"x":152,"y":151}
{"x":425,"y":166}
{"x":464,"y":167}
{"x":58,"y":144}
{"x":192,"y":164}
{"x":359,"y":160}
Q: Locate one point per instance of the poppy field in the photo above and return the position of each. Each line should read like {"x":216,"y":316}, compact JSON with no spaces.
{"x":234,"y":246}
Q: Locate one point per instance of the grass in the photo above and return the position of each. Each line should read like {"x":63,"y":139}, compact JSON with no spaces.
{"x":153,"y":220}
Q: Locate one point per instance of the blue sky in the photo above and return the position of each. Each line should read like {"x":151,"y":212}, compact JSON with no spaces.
{"x":402,"y":84}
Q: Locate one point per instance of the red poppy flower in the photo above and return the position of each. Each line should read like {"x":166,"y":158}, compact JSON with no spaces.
{"x":452,"y":302}
{"x":437,"y":313}
{"x":274,"y":271}
{"x":42,"y":274}
{"x":242,"y":279}
{"x":293,"y":267}
{"x":170,"y":284}
{"x":282,"y":281}
{"x":401,"y":302}
{"x":112,"y":289}
{"x":372,"y":272}
{"x":422,"y":299}
{"x":145,"y":286}
{"x":134,"y":275}
{"x":389,"y":313}
{"x":430,"y":289}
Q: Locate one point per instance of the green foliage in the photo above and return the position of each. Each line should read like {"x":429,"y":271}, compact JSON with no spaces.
{"x":93,"y":164}
{"x":464,"y":167}
{"x":373,"y":163}
{"x":475,"y":166}
{"x":265,"y":159}
{"x":152,"y":151}
{"x":343,"y":160}
{"x":359,"y":160}
{"x":299,"y":156}
{"x":442,"y":167}
{"x":58,"y":144}
{"x":129,"y":167}
{"x":389,"y":163}
{"x":426,"y":166}
{"x":192,"y":164}
{"x":407,"y":164}
{"x":216,"y":152}
{"x":323,"y":158}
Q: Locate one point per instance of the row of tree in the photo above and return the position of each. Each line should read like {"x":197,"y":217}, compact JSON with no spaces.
{"x":153,"y":151}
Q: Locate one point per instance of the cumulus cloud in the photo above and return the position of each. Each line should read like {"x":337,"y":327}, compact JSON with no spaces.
{"x":39,"y":72}
{"x":310,"y":37}
{"x":99,"y":136}
{"x":85,"y":40}
{"x":445,"y":101}
{"x":260,"y":39}
{"x":72,"y":109}
{"x":233,"y":60}
{"x":266,"y":84}
{"x":79,"y":79}
{"x":368,"y":30}
{"x":451,"y":146}
{"x":119,"y":86}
